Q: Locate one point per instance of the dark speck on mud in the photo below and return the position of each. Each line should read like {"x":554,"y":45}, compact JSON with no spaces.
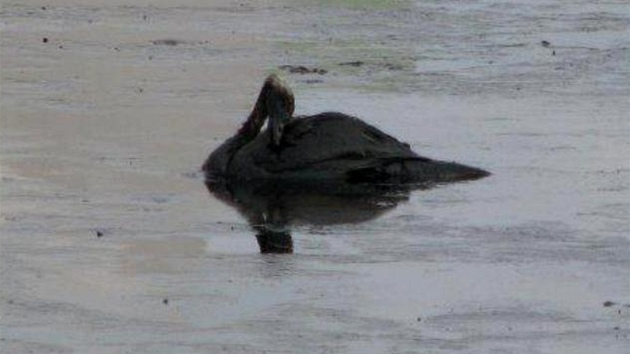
{"x":170,"y":42}
{"x":352,"y":63}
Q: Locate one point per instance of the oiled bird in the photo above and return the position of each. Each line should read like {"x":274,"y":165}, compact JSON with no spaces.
{"x":326,"y":147}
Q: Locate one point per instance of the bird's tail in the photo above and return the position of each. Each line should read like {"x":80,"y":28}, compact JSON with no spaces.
{"x":413,"y":170}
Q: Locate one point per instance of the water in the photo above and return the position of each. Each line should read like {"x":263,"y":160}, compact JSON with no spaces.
{"x":104,"y":131}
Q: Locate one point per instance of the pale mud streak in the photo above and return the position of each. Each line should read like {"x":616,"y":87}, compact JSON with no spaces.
{"x":110,"y":242}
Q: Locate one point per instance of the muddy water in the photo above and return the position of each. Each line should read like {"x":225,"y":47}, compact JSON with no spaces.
{"x":110,"y":242}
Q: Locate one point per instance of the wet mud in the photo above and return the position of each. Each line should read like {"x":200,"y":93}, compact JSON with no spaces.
{"x":111,"y":242}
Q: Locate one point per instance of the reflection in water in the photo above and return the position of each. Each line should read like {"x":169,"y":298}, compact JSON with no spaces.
{"x":274,"y":241}
{"x":272,"y":207}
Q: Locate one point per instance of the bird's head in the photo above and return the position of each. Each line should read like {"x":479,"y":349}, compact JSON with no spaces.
{"x":280,"y":106}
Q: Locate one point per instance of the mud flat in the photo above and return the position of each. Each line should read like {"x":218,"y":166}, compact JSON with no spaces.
{"x":110,"y":242}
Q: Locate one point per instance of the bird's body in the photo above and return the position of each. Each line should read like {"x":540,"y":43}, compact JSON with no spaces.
{"x":324,"y":147}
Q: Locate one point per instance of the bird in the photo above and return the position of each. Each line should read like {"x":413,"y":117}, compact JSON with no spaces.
{"x":321,"y":148}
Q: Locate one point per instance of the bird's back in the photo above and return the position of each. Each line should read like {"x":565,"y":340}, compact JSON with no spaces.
{"x":326,"y":145}
{"x":335,"y":146}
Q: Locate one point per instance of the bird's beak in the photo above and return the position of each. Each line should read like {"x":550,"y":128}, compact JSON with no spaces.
{"x":278,"y":118}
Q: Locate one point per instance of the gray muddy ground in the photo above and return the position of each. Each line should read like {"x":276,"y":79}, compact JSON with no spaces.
{"x":110,"y":242}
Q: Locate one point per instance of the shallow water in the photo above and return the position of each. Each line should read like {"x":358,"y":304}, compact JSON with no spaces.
{"x":105,"y":125}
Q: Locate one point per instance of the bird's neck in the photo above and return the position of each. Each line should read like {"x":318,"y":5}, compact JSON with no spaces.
{"x":220,"y":159}
{"x":250,"y":129}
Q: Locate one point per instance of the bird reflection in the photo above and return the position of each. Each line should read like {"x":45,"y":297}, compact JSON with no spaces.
{"x":272,"y":207}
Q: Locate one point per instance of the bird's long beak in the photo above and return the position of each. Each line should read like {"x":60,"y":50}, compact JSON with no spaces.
{"x":278,"y":118}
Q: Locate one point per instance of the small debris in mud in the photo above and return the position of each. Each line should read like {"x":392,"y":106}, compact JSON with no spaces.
{"x":352,"y":63}
{"x":45,"y":40}
{"x":545,"y":44}
{"x":553,"y":53}
{"x":171,"y":42}
{"x":165,"y":301}
{"x":299,"y":69}
{"x":313,"y":81}
{"x":608,"y":303}
{"x":44,"y":8}
{"x":390,"y":66}
{"x":192,"y":174}
{"x":100,"y":233}
{"x":160,"y":200}
{"x":419,"y":319}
